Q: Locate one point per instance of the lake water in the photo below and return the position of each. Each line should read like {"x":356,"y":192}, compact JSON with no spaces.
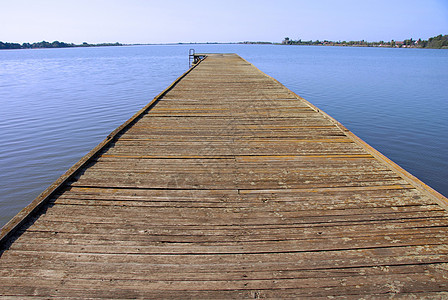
{"x":57,"y":104}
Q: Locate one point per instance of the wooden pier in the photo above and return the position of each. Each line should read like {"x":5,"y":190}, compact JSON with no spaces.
{"x":229,"y":185}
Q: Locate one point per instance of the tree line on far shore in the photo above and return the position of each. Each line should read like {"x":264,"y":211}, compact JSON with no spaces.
{"x":437,"y":42}
{"x":55,"y":44}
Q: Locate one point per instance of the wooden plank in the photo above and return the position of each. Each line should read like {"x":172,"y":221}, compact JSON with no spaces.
{"x":123,"y":228}
{"x":148,"y":272}
{"x":273,"y":261}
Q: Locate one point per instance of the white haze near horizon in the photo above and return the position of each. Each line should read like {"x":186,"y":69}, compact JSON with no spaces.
{"x":172,"y":21}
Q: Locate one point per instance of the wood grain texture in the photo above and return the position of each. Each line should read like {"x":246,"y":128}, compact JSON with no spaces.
{"x":231,"y":186}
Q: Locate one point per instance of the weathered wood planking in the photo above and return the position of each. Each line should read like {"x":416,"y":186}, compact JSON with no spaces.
{"x":228,"y":185}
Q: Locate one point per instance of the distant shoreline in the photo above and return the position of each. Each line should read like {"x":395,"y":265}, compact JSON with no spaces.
{"x":48,"y":45}
{"x":437,"y":42}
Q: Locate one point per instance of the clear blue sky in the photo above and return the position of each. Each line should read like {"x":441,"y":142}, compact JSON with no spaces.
{"x":166,"y":21}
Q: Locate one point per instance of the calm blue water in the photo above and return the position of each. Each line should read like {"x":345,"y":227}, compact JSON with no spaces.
{"x":57,"y":104}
